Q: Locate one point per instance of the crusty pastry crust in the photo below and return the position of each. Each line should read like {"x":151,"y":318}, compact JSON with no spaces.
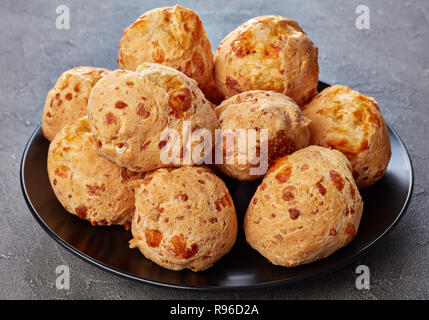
{"x":268,"y":53}
{"x":68,"y":99}
{"x":258,"y":109}
{"x":172,"y":36}
{"x":352,"y":123}
{"x":185,"y":218}
{"x":305,"y":209}
{"x":128,"y":112}
{"x":86,"y":184}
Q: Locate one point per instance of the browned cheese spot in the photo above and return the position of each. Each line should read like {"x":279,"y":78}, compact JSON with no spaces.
{"x":294,"y":213}
{"x":337,"y":180}
{"x":284,"y":175}
{"x":120,"y":105}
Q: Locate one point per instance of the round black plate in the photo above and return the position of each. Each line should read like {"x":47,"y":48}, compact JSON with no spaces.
{"x":107,"y":247}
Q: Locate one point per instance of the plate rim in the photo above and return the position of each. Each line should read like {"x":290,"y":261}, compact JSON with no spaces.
{"x":284,"y":283}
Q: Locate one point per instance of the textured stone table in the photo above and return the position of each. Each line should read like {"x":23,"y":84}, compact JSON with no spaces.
{"x":390,"y":61}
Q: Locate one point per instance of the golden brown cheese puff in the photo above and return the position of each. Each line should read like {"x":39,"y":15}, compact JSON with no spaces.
{"x":268,"y":53}
{"x":306,"y":208}
{"x":68,"y":99}
{"x":352,"y":123}
{"x":185,"y":218}
{"x":172,"y":36}
{"x":128,"y":112}
{"x":287,"y":129}
{"x":86,"y":184}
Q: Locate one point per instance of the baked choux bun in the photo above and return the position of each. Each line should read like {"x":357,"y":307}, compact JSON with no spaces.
{"x":128,"y":112}
{"x":184,"y":219}
{"x":281,"y":116}
{"x":348,"y":121}
{"x":172,"y":36}
{"x":86,"y":184}
{"x":306,"y":208}
{"x":268,"y":53}
{"x":68,"y":99}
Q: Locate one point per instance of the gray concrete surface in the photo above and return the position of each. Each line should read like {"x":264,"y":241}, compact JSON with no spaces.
{"x":390,"y":61}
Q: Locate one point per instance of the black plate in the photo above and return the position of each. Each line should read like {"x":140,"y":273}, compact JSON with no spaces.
{"x":107,"y":247}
